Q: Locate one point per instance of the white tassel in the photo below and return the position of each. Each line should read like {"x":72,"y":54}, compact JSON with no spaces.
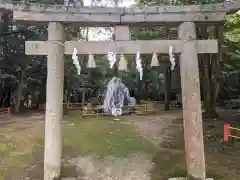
{"x":91,"y":61}
{"x":172,"y":58}
{"x":139,"y":65}
{"x":111,"y":58}
{"x":75,"y":61}
{"x":122,"y":66}
{"x":155,"y":61}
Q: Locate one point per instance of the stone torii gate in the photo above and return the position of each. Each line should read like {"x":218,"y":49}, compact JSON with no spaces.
{"x":185,"y":17}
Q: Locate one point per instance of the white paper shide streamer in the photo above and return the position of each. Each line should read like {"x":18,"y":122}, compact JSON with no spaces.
{"x":139,"y":65}
{"x":75,"y":61}
{"x":111,"y":58}
{"x":172,"y":58}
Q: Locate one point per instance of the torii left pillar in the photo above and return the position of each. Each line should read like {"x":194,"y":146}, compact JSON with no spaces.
{"x":54,"y":101}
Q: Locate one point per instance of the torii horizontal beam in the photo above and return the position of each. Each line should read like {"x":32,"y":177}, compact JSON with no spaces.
{"x":110,"y":16}
{"x":125,"y":47}
{"x":46,"y":8}
{"x":101,"y":20}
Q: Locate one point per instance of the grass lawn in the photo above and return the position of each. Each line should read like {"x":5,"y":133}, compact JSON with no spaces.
{"x":16,"y":149}
{"x":102,"y":137}
{"x":21,"y":145}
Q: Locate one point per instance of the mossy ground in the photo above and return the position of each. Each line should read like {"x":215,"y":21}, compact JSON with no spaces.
{"x":21,"y":147}
{"x":103,"y":137}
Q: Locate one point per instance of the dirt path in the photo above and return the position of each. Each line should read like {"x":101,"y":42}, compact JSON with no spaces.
{"x":6,"y":120}
{"x":136,"y":167}
{"x":156,"y":129}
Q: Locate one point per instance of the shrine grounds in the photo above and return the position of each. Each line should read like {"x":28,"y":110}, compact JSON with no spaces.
{"x":96,"y":148}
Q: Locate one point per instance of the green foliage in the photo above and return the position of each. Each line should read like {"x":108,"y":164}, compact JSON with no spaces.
{"x":231,"y":65}
{"x":14,"y":62}
{"x":233,"y":30}
{"x":177,"y":170}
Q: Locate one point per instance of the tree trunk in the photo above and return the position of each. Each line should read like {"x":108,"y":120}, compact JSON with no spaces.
{"x":206,"y":83}
{"x":66,"y":96}
{"x":19,"y":91}
{"x":210,"y":72}
{"x":216,"y":68}
{"x":138,"y":91}
{"x":167,"y":79}
{"x":83,"y":93}
{"x":83,"y":97}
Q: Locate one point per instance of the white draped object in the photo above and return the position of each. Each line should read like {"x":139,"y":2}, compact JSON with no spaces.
{"x":115,"y":96}
{"x":172,"y":58}
{"x":75,"y":61}
{"x":111,"y":58}
{"x":139,"y":65}
{"x":66,"y":2}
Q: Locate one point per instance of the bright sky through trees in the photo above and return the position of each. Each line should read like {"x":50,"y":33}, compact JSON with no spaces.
{"x":104,"y":35}
{"x":125,"y":3}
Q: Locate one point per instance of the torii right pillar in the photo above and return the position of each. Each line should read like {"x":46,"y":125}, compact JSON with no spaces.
{"x":192,"y":113}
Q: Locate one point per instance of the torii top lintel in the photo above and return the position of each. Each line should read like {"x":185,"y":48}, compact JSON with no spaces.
{"x":108,"y":16}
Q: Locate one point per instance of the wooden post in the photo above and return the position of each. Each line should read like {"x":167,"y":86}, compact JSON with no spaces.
{"x":226,"y":132}
{"x":192,"y":114}
{"x":54,"y":101}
